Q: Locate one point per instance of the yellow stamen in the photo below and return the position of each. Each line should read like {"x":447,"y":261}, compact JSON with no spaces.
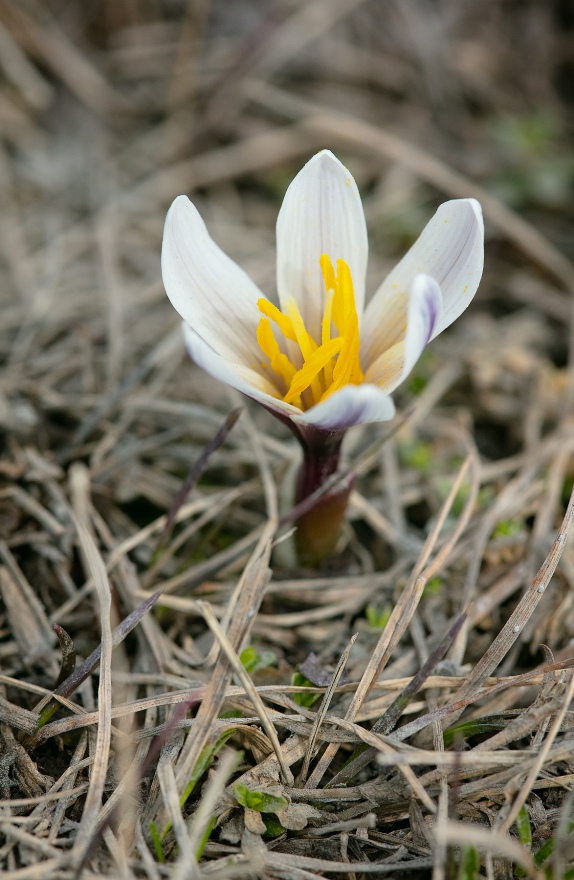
{"x":312,"y":367}
{"x":282,"y":321}
{"x":328,"y":272}
{"x":279,"y":362}
{"x":326,"y":335}
{"x":347,"y":370}
{"x":307,"y":345}
{"x":327,"y":366}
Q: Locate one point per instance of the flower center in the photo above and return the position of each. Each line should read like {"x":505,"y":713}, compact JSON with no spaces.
{"x":327,"y":365}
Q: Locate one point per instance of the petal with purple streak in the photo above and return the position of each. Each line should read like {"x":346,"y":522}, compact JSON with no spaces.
{"x":394,"y":364}
{"x":352,"y":405}
{"x":451,"y":250}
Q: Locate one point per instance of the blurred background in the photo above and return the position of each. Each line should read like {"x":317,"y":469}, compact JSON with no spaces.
{"x":111,"y":108}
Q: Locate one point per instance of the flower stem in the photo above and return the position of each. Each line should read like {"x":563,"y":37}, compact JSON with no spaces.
{"x":318,"y":529}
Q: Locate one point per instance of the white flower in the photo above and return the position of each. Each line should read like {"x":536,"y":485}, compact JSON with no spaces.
{"x":324,"y":360}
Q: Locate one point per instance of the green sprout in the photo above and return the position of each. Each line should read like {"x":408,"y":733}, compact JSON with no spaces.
{"x":252,"y":660}
{"x":261,"y":801}
{"x":416,"y":454}
{"x":305,"y":700}
{"x":377,"y":618}
{"x":508,"y":528}
{"x":433,"y":587}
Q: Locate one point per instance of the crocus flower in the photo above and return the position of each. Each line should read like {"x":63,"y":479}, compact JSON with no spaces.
{"x":322,"y":362}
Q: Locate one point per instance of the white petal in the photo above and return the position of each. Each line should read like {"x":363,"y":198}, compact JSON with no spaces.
{"x":424,"y":308}
{"x":352,"y":405}
{"x":451,"y":250}
{"x":238,"y":376}
{"x":210,"y":292}
{"x":321,"y":214}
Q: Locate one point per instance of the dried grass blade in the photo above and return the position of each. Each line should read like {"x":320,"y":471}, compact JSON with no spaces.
{"x":385,"y":724}
{"x":17,"y":717}
{"x":290,"y":861}
{"x":520,"y":799}
{"x":522,"y":613}
{"x":195,"y":473}
{"x":251,"y":589}
{"x":94,"y":564}
{"x":250,"y":690}
{"x":379,"y":744}
{"x":447,"y":832}
{"x":407,"y":604}
{"x":170,"y":796}
{"x":456,"y":708}
{"x":73,"y":681}
{"x":131,"y":381}
{"x":324,"y":707}
{"x":30,"y":621}
{"x":199,"y":824}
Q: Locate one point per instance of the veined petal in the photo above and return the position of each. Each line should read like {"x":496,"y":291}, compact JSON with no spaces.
{"x":238,"y":376}
{"x":352,"y":405}
{"x":424,"y":308}
{"x":321,"y":214}
{"x":210,"y":292}
{"x":451,"y":250}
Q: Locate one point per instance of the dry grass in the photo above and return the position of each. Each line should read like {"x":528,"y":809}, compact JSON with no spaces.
{"x":435,"y":650}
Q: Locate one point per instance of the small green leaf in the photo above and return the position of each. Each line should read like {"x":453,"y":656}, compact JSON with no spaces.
{"x":524,"y":835}
{"x":205,"y":837}
{"x":248,"y":658}
{"x":544,"y":853}
{"x":443,"y":487}
{"x":474,"y":727}
{"x":417,"y":384}
{"x":252,"y":660}
{"x":523,"y":828}
{"x":241,"y":794}
{"x":417,"y":455}
{"x":508,"y":528}
{"x":306,"y":700}
{"x":205,"y":758}
{"x":433,"y":587}
{"x":546,"y":850}
{"x":261,"y":801}
{"x":273,"y":826}
{"x":155,"y":836}
{"x":469,"y":865}
{"x":377,"y":618}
